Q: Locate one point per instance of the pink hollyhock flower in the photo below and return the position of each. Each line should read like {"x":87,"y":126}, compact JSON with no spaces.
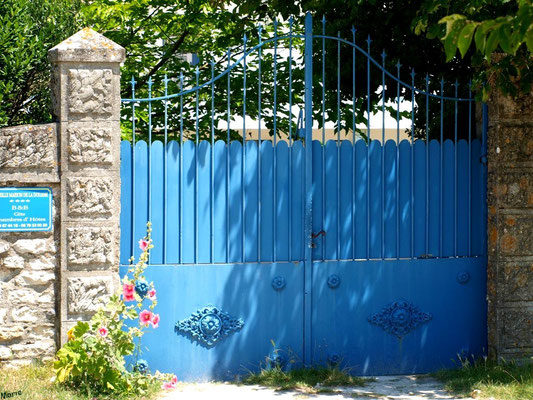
{"x":103,"y":331}
{"x":155,"y":320}
{"x":167,"y":386}
{"x":128,"y":289}
{"x":143,"y":244}
{"x":129,"y":297}
{"x":145,"y":317}
{"x":151,"y":294}
{"x":172,"y":384}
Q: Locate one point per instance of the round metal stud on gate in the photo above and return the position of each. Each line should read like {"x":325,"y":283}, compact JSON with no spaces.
{"x":334,"y":359}
{"x":334,"y":281}
{"x":276,"y":360}
{"x":463,"y":277}
{"x":278,"y":283}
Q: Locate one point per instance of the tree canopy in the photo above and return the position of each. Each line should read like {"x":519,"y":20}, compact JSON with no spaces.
{"x":29,"y":30}
{"x":424,"y":35}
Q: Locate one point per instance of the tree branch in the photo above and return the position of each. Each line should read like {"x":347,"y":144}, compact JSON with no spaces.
{"x":165,"y":58}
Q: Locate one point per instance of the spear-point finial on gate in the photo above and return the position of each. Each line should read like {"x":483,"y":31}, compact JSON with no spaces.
{"x":383,"y":56}
{"x":275,"y":25}
{"x":470,"y":84}
{"x":259,"y":30}
{"x":323,"y":20}
{"x":291,"y":20}
{"x":197,"y":71}
{"x":413,"y":74}
{"x":398,"y":66}
{"x":456,"y":84}
{"x":353,"y":32}
{"x":133,"y":82}
{"x":245,"y":39}
{"x":368,"y":41}
{"x":181,"y":81}
{"x":150,"y":83}
{"x":427,"y":79}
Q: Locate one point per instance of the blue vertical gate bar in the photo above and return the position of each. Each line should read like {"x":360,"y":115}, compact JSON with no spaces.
{"x":383,"y":56}
{"x":133,"y":167}
{"x":227,"y":155}
{"x":441,"y":164}
{"x":412,"y":205}
{"x":353,"y":144}
{"x":165,"y":173}
{"x":196,"y":142}
{"x":212,"y":166}
{"x":259,"y":151}
{"x":427,"y":165}
{"x":455,"y":142}
{"x":398,"y":66}
{"x":470,"y":169}
{"x":243,"y":162}
{"x":308,"y":262}
{"x":274,"y":166}
{"x":338,"y":251}
{"x":180,"y":230}
{"x":290,"y":140}
{"x":323,"y":133}
{"x":368,"y":41}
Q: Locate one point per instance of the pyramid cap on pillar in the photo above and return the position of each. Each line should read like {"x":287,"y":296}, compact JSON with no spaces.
{"x":87,"y":46}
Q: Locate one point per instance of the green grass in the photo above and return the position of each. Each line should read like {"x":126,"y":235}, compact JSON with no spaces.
{"x":35,"y":383}
{"x":486,"y":379}
{"x":316,"y":380}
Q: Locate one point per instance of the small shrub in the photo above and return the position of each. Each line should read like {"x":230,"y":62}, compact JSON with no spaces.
{"x":93,"y":359}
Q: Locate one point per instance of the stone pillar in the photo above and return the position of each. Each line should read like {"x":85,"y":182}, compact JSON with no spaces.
{"x":86,"y":103}
{"x":510,"y":226}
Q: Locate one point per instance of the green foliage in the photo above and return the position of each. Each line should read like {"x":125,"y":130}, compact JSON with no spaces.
{"x":36,"y":381}
{"x":29,"y":30}
{"x":93,"y":359}
{"x":488,"y":379}
{"x":498,"y":36}
{"x":508,"y":32}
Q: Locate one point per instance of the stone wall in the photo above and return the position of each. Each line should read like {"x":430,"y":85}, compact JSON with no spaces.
{"x":29,"y":261}
{"x":510,"y":226}
{"x":50,"y":280}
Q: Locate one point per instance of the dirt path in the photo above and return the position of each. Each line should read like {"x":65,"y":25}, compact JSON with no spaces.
{"x":383,"y":388}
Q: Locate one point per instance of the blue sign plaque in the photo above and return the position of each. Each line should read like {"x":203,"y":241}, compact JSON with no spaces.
{"x":25,"y":209}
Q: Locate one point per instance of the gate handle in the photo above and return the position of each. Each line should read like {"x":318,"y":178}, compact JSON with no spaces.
{"x":318,"y":234}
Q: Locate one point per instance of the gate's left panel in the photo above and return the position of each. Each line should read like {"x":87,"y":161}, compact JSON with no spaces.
{"x":221,"y":315}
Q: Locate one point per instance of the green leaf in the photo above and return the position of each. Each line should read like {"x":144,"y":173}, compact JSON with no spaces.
{"x":465,"y":37}
{"x":450,"y":21}
{"x":529,"y":39}
{"x":450,"y":42}
{"x":492,"y":43}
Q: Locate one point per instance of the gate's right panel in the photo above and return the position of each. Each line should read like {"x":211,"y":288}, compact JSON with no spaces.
{"x":398,"y":316}
{"x":399,"y":271}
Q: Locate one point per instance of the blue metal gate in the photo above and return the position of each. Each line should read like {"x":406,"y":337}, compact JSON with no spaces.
{"x":363,"y":253}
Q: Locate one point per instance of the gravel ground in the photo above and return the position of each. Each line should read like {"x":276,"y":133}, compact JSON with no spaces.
{"x":404,"y":387}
